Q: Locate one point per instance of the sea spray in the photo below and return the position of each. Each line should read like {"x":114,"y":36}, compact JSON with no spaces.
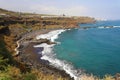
{"x":49,"y":55}
{"x":51,"y":35}
{"x":116,"y":26}
{"x":101,"y":27}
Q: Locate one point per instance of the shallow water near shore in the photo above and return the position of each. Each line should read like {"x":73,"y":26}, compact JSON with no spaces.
{"x":95,"y":49}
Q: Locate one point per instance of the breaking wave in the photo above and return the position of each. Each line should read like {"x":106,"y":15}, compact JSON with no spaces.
{"x":48,"y":54}
{"x":109,"y":27}
{"x":116,"y":26}
{"x":100,"y":27}
{"x":51,"y":35}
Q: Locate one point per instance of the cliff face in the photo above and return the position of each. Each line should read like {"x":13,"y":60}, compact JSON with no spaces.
{"x":37,"y":21}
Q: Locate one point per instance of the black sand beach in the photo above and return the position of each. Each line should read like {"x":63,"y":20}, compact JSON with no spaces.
{"x":32,"y":56}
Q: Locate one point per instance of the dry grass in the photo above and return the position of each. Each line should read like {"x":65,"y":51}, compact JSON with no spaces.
{"x":88,"y":77}
{"x":108,"y":77}
{"x":13,"y":73}
{"x":92,"y":77}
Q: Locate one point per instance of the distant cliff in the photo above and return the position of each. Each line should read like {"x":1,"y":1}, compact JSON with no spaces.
{"x":38,"y":21}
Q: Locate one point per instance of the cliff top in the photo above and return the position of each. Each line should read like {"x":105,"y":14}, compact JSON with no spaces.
{"x":6,"y":13}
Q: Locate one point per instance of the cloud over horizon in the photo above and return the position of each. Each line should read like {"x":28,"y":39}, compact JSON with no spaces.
{"x":76,"y":10}
{"x":98,"y":9}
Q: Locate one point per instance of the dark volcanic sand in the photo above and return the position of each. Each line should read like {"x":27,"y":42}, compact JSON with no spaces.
{"x":34,"y":53}
{"x":32,"y":57}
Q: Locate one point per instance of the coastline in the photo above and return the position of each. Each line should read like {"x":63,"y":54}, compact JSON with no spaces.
{"x":27,"y":53}
{"x":50,"y":56}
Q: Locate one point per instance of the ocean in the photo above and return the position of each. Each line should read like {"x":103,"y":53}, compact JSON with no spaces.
{"x":92,"y":48}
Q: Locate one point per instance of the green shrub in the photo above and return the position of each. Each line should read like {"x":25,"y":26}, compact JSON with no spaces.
{"x":5,"y":78}
{"x":30,"y":76}
{"x":3,"y":63}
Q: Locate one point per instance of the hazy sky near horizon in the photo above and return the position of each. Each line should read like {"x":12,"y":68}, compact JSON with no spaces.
{"x":104,"y":9}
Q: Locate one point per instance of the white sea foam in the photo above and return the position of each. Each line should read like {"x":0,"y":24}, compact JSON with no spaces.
{"x":47,"y":48}
{"x":16,"y":49}
{"x":51,"y":35}
{"x":101,"y":27}
{"x":69,"y":29}
{"x":116,"y":26}
{"x":49,"y":55}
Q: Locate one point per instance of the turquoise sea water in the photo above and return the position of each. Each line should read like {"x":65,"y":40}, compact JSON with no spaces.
{"x":96,"y":50}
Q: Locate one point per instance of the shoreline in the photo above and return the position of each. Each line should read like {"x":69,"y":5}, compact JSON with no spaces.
{"x":27,"y":53}
{"x":49,"y":55}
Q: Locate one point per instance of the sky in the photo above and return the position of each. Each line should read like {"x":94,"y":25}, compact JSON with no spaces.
{"x":99,"y":9}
